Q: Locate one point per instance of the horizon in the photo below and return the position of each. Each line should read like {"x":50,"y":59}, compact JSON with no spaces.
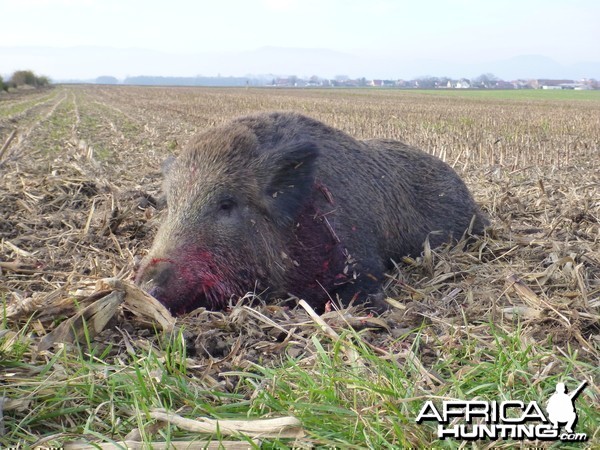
{"x":273,"y":78}
{"x":381,"y":39}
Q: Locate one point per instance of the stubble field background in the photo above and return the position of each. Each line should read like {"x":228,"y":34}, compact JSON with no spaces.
{"x":507,"y":317}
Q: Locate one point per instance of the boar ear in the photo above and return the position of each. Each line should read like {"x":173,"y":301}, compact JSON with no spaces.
{"x":290,"y":175}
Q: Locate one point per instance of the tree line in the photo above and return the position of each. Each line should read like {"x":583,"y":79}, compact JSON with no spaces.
{"x":24,"y":78}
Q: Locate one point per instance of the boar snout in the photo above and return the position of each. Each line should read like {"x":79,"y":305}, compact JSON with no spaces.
{"x":158,"y":277}
{"x":155,"y":275}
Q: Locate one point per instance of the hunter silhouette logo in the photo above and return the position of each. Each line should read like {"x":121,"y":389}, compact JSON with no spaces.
{"x":508,"y":419}
{"x":561,"y":406}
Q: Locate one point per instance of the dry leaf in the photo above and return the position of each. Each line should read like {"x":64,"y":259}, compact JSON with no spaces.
{"x":91,"y":320}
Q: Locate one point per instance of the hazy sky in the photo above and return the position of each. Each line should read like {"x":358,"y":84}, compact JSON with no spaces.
{"x":567,"y":31}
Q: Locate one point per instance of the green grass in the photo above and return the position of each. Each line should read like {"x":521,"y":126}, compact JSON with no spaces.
{"x":10,"y":109}
{"x":104,"y":389}
{"x":58,"y":126}
{"x":372,"y":402}
{"x":474,"y":94}
{"x":516,"y":94}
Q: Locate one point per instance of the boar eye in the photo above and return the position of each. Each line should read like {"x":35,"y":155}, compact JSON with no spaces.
{"x":227,"y":205}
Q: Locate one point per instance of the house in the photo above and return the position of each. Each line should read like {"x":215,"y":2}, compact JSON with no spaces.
{"x":552,"y":84}
{"x":501,"y":84}
{"x":463,"y":83}
{"x":283,"y":82}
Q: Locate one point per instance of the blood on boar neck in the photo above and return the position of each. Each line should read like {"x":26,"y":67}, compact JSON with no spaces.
{"x":322,"y":255}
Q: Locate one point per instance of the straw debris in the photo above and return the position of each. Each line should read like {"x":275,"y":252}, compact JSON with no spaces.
{"x":80,"y":199}
{"x":71,"y":218}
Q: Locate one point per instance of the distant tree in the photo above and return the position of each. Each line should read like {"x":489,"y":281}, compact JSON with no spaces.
{"x":485,"y":80}
{"x":106,"y":79}
{"x":293,"y":80}
{"x":28,"y":78}
{"x":2,"y":87}
{"x":341,"y":78}
{"x":43,"y":81}
{"x":314,"y":80}
{"x":443,"y":81}
{"x":22,"y":78}
{"x":427,"y":82}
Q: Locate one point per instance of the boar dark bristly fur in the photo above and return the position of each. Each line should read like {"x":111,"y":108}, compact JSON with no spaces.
{"x":282,"y":204}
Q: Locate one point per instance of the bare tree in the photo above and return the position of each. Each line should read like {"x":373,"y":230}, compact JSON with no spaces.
{"x":485,"y":80}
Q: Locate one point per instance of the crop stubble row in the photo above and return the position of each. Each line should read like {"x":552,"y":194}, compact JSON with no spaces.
{"x":79,"y":201}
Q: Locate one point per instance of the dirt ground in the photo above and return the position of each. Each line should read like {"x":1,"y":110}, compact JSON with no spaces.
{"x":80,"y":200}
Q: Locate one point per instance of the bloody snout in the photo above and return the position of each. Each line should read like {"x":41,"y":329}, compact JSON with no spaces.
{"x":185,"y":283}
{"x":155,"y":277}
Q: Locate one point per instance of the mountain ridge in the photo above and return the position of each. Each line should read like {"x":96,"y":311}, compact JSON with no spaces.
{"x":88,"y":62}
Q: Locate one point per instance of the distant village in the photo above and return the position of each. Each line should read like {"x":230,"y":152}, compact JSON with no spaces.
{"x":26,"y":78}
{"x":485,"y":81}
{"x":481,"y":82}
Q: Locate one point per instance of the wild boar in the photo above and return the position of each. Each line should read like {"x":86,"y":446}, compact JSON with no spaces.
{"x":282,"y":204}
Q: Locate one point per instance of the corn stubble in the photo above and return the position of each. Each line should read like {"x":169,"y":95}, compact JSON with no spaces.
{"x":79,"y":202}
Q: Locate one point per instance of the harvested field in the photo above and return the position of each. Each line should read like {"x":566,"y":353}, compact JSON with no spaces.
{"x":505,"y":317}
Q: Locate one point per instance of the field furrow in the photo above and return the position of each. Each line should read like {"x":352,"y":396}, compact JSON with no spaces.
{"x":17,"y":108}
{"x":505,"y":316}
{"x":32,"y":127}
